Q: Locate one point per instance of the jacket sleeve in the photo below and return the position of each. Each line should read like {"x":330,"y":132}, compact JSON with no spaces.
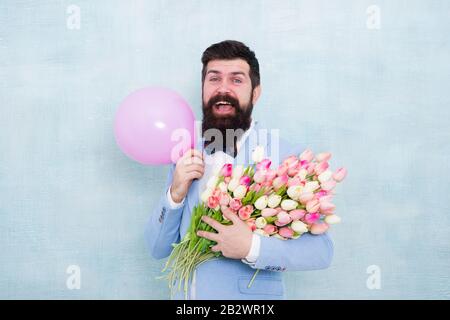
{"x":163,"y":226}
{"x":309,"y":252}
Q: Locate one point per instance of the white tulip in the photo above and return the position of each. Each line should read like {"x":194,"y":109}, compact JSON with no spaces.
{"x":274,"y":200}
{"x":212,"y":182}
{"x":258,"y":154}
{"x":260,"y":222}
{"x":311,"y":186}
{"x":223,"y":187}
{"x":206,"y":194}
{"x":325,"y":176}
{"x":238,"y":171}
{"x":261,"y":203}
{"x":302,"y":174}
{"x":240,"y":192}
{"x":332,"y":219}
{"x":233,"y":184}
{"x":294,"y":192}
{"x":299,"y":227}
{"x":288,"y":204}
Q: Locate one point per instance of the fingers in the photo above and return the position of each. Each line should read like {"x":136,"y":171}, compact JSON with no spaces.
{"x":213,"y":223}
{"x":215,"y":248}
{"x":232,"y":217}
{"x":195,"y":167}
{"x":208,"y":235}
{"x":193,"y":175}
{"x":192,"y":156}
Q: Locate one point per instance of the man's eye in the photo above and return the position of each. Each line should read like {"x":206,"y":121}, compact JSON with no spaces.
{"x":237,"y":80}
{"x":213,"y":79}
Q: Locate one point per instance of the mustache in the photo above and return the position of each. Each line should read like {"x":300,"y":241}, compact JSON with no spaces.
{"x":233,"y":101}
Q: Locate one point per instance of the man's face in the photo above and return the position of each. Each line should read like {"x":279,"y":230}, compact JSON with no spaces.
{"x":227,"y":95}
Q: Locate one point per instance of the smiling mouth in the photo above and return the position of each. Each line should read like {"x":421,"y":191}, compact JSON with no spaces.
{"x":223,"y":107}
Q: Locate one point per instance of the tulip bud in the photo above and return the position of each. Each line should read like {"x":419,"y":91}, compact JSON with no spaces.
{"x":238,"y":172}
{"x":261,"y":232}
{"x":327,"y":207}
{"x":280,"y":181}
{"x":258,"y":154}
{"x":297,"y":214}
{"x":340,"y":174}
{"x":305,"y":197}
{"x":260,"y":222}
{"x":282,"y":170}
{"x":245,"y":180}
{"x":288,"y":204}
{"x":264,"y":165}
{"x":270,"y":229}
{"x":283,"y":218}
{"x":302,"y":174}
{"x":311,"y":218}
{"x":286,"y":232}
{"x":259,"y":176}
{"x":325,"y":176}
{"x":223,"y":187}
{"x":311,"y":186}
{"x":234,"y":183}
{"x":332,"y":219}
{"x":323,"y":157}
{"x":261,"y":203}
{"x":227,"y":169}
{"x":274,"y":200}
{"x":276,"y":235}
{"x":240,"y":192}
{"x":328,"y":185}
{"x":319,"y":228}
{"x":312,"y":205}
{"x":268,"y":212}
{"x":321,"y":167}
{"x":299,"y":227}
{"x":294,"y":192}
{"x":307,"y":155}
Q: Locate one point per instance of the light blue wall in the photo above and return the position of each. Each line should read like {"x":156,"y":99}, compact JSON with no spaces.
{"x":377,"y":98}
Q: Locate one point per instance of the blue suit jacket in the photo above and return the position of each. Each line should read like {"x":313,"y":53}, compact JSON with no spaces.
{"x":227,"y":279}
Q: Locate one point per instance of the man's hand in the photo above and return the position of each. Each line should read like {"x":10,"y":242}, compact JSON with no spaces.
{"x":189,"y":167}
{"x":234,"y":241}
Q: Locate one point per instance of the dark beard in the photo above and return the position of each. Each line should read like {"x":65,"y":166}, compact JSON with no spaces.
{"x":240,"y":120}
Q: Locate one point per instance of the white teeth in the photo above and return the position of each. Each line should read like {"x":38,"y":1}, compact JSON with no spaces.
{"x":222,"y":102}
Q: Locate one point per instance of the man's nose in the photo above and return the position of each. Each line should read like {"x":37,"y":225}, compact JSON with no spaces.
{"x":223,"y":88}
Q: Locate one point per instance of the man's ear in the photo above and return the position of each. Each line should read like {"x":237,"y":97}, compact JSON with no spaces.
{"x":256,"y":94}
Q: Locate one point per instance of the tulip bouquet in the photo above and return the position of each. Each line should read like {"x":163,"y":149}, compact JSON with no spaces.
{"x":285,"y":203}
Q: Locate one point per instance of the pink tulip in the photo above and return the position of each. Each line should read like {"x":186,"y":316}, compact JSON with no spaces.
{"x":311,"y":218}
{"x":310,"y":168}
{"x":323,"y":157}
{"x":326,"y":198}
{"x":280,"y":181}
{"x":213,"y":202}
{"x":264,"y":165}
{"x":271,"y":174}
{"x":266,"y":184}
{"x":312,"y":205}
{"x":245,"y":212}
{"x":216,"y":193}
{"x":235,"y":204}
{"x":255,"y":187}
{"x":305,"y":197}
{"x":340,"y":174}
{"x":321,"y":167}
{"x":319,"y":228}
{"x":282,"y":170}
{"x":224,"y":198}
{"x":268,"y":212}
{"x":327,"y":207}
{"x":320,"y":194}
{"x":290,"y":160}
{"x":283,"y":218}
{"x":270,"y":229}
{"x":259,"y":176}
{"x":227,"y":170}
{"x":286,"y":232}
{"x":245,"y":180}
{"x":295,"y":181}
{"x":297,"y":214}
{"x":307,"y":155}
{"x":328,"y":185}
{"x":293,"y":171}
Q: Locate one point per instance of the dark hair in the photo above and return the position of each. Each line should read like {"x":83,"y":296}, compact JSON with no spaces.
{"x":229,"y":50}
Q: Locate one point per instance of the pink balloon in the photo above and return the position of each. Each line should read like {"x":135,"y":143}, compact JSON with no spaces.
{"x":154,"y":125}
